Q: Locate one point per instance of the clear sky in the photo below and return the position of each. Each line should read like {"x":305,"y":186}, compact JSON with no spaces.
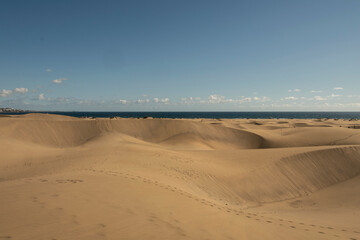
{"x":185,"y":55}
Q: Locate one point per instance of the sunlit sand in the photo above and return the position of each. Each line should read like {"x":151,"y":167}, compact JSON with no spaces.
{"x":72,"y":178}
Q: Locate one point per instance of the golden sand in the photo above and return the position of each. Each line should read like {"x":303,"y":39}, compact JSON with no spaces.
{"x":71,"y":178}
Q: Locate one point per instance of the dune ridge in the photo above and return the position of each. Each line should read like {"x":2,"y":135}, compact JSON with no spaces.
{"x":177,"y":178}
{"x":68,"y":131}
{"x":73,"y":133}
{"x":298,"y":175}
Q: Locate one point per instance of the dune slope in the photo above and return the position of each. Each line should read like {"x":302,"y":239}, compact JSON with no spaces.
{"x":70,"y":178}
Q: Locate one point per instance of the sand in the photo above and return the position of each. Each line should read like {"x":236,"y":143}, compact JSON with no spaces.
{"x":72,"y":178}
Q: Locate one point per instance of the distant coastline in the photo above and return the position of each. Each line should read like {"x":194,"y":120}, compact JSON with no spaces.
{"x":204,"y":115}
{"x":12,"y":110}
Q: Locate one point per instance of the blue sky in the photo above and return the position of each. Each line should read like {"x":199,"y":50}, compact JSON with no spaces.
{"x":180,"y":55}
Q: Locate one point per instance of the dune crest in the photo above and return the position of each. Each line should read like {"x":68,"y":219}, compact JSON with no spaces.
{"x":70,"y":178}
{"x":67,"y":133}
{"x":298,"y":175}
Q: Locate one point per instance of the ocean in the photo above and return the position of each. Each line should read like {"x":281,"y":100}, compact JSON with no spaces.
{"x":212,"y":115}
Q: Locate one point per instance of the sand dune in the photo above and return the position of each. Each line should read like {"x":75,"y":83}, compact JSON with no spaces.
{"x":64,"y":133}
{"x":314,"y":136}
{"x":298,"y":175}
{"x":68,"y":178}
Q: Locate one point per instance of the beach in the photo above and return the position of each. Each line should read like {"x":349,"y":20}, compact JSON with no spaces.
{"x":63,"y":177}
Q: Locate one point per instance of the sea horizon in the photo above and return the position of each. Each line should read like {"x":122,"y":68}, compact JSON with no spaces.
{"x":205,"y":114}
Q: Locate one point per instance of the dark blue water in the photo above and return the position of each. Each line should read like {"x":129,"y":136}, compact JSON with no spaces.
{"x":259,"y":115}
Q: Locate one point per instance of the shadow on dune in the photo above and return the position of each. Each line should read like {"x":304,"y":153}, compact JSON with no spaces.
{"x":178,"y":133}
{"x":62,"y":131}
{"x":297,"y":175}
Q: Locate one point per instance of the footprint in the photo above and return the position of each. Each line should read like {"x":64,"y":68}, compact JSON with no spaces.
{"x":101,"y":235}
{"x":75,"y":222}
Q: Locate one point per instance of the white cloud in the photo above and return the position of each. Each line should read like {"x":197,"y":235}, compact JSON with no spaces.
{"x":21,"y":90}
{"x":245,"y":99}
{"x":261,"y":99}
{"x":216,"y":98}
{"x":353,"y":104}
{"x":294,"y":90}
{"x":59,"y":80}
{"x":338,"y":88}
{"x":140,"y":101}
{"x":41,"y":96}
{"x":5,"y":93}
{"x":163,"y":100}
{"x":83,"y":102}
{"x":316,"y":91}
{"x":190,"y":100}
{"x":144,"y":101}
{"x":290,"y":98}
{"x":48,"y":70}
{"x":335,"y":95}
{"x":319,"y":98}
